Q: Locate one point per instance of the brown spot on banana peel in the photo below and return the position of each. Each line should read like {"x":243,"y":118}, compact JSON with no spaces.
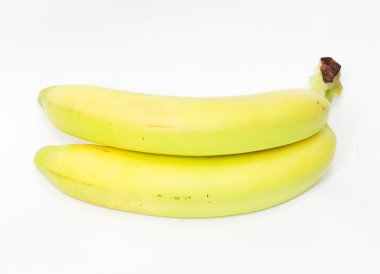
{"x":329,"y":69}
{"x":178,"y":197}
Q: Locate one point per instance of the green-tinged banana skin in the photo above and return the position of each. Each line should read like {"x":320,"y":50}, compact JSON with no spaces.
{"x":185,"y":126}
{"x":178,"y":186}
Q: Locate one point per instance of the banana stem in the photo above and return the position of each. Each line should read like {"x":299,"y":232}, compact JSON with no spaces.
{"x":326,"y":79}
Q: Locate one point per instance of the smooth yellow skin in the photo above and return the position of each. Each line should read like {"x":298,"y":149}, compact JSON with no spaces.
{"x":185,"y":126}
{"x":178,"y":186}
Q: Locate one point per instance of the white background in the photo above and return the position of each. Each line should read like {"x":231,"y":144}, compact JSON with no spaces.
{"x":193,"y":48}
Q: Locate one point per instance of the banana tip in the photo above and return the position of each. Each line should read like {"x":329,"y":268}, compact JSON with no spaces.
{"x":43,"y":156}
{"x":42,"y":94}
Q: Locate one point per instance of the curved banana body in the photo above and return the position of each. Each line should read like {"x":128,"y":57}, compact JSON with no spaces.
{"x":185,"y":126}
{"x":178,"y":186}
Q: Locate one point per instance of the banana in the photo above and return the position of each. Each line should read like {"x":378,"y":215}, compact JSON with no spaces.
{"x":177,"y":186}
{"x":193,"y":126}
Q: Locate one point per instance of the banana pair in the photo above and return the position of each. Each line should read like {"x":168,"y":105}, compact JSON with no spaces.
{"x":258,"y":150}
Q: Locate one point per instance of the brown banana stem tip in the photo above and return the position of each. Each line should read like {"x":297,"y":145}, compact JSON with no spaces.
{"x":329,"y":69}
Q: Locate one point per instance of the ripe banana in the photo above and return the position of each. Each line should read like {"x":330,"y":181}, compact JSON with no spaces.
{"x":193,"y":126}
{"x":178,"y":186}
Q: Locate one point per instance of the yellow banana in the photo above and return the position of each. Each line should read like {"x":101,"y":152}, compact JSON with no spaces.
{"x":178,"y":186}
{"x":193,"y":126}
